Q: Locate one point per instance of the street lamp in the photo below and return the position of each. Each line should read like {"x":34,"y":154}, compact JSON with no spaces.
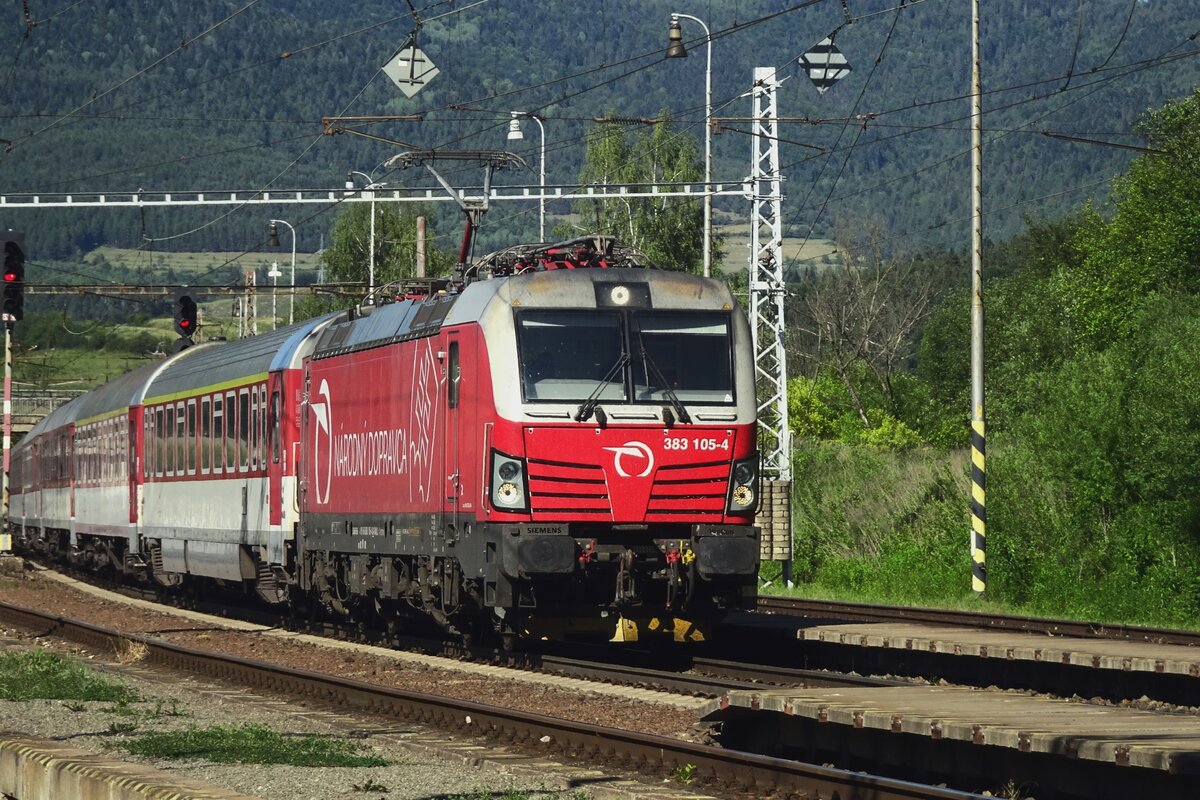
{"x":675,"y":49}
{"x":515,"y":134}
{"x":371,"y":186}
{"x":273,"y":241}
{"x":274,"y":276}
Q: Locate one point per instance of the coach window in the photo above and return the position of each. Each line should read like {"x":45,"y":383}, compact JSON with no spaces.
{"x":169,"y":440}
{"x":191,"y":437}
{"x":262,"y":426}
{"x":276,"y":447}
{"x":254,"y":426}
{"x":146,"y":466}
{"x":180,"y":439}
{"x":230,"y":432}
{"x":244,"y":428}
{"x":160,"y":431}
{"x":218,"y":438}
{"x":104,"y":438}
{"x":205,"y":434}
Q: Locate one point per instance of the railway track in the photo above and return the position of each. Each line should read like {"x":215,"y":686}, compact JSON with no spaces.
{"x":982,"y":620}
{"x":727,"y":771}
{"x":690,"y":675}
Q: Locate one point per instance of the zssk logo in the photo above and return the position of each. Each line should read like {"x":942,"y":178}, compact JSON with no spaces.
{"x":323,"y":443}
{"x":635,"y":451}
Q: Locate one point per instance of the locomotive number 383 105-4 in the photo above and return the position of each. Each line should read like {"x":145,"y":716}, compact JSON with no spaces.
{"x":701,"y":443}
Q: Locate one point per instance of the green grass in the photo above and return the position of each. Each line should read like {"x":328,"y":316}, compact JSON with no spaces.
{"x":877,"y":526}
{"x":188,"y":263}
{"x":250,"y":744}
{"x":43,"y":675}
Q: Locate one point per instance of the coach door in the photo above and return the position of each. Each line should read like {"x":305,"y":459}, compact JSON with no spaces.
{"x":277,"y":458}
{"x":135,"y":447}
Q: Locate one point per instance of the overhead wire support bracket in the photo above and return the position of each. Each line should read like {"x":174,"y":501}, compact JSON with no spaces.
{"x":331,"y":126}
{"x":473,"y":207}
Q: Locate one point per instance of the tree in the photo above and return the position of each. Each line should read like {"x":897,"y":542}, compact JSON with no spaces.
{"x":348,"y":258}
{"x":1152,"y":242}
{"x":861,"y":319}
{"x":670,"y":232}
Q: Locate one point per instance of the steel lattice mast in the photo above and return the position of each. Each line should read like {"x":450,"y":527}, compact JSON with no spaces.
{"x":767,"y":292}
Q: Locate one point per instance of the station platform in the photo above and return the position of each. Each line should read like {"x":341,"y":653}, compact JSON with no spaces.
{"x":977,"y":740}
{"x":32,"y":768}
{"x":1111,"y":654}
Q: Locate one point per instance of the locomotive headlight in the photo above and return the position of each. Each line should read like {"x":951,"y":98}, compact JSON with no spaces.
{"x":743,"y":486}
{"x":619,"y":295}
{"x":510,"y":491}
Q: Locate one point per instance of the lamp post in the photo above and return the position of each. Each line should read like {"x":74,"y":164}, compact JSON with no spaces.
{"x":372,"y":185}
{"x":273,"y":241}
{"x":514,"y":134}
{"x":274,"y":276}
{"x":675,"y":49}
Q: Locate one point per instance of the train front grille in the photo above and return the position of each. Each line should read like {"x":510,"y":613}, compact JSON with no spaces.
{"x":558,"y":488}
{"x":688,"y":491}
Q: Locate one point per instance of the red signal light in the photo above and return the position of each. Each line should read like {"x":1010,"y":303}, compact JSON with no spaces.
{"x":183,"y":323}
{"x":10,"y":276}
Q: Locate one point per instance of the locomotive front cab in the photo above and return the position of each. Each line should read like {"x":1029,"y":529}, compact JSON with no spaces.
{"x":624,"y":469}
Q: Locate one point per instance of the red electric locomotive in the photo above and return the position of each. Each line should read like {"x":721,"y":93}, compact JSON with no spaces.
{"x":565,"y":445}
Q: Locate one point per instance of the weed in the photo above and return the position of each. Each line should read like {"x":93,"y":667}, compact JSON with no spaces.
{"x":122,"y":727}
{"x":161,"y":709}
{"x":121,"y":708}
{"x":685,"y":773}
{"x":129,"y":651}
{"x":251,"y":744}
{"x":76,"y":707}
{"x":44,"y":675}
{"x":369,"y":785}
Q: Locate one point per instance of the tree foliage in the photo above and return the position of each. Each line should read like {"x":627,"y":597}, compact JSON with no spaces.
{"x":348,"y":258}
{"x":670,"y":232}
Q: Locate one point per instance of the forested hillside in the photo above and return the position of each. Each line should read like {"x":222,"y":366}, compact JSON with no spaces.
{"x":230,"y":95}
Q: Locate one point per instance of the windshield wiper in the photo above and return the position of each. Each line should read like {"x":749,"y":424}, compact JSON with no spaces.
{"x":587,"y":407}
{"x":656,"y":373}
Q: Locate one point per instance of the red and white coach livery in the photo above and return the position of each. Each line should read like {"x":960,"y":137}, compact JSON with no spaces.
{"x":565,"y":447}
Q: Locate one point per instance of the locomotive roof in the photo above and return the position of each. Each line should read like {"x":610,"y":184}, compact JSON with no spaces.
{"x":227,"y":363}
{"x":394,"y":322}
{"x":419,"y":317}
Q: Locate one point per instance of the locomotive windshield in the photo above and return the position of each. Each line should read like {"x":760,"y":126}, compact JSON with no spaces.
{"x":625,"y":357}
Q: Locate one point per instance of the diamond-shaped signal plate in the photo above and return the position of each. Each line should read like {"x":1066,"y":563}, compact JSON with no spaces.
{"x":410,"y":69}
{"x":825,"y":64}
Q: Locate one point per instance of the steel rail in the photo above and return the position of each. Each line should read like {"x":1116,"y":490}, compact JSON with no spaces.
{"x":581,"y":742}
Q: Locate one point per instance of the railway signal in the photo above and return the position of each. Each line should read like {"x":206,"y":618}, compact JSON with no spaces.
{"x":185,"y":320}
{"x":825,"y":64}
{"x":14,"y":278}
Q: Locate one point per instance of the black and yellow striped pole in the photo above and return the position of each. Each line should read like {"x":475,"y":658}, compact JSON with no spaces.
{"x":978,"y":473}
{"x":978,"y":507}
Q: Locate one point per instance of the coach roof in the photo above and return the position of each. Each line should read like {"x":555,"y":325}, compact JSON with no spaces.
{"x":227,"y":363}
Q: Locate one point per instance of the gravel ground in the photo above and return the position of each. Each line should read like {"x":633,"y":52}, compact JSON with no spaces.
{"x":601,"y":707}
{"x":425,"y":764}
{"x":414,"y":771}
